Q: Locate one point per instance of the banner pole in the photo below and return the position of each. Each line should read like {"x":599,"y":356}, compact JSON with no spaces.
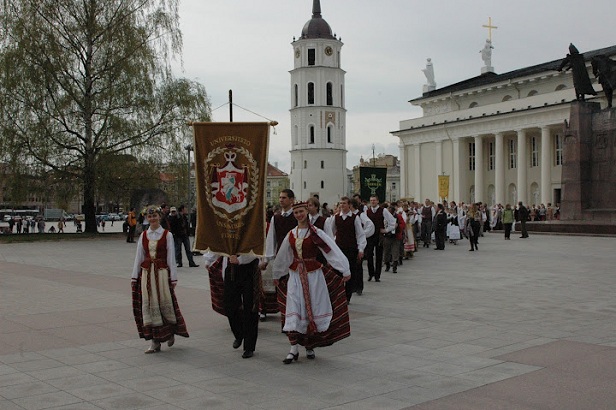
{"x":230,"y":105}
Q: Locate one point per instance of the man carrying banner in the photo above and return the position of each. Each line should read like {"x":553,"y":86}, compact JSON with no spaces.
{"x":381,"y":218}
{"x":279,"y":226}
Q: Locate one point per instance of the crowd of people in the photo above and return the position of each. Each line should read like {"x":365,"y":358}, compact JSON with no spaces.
{"x":314,"y":259}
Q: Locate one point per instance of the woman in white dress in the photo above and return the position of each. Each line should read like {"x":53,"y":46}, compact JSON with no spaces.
{"x":155,"y":307}
{"x":311,"y":296}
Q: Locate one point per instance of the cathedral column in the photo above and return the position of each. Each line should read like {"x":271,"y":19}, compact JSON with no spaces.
{"x":546,"y":164}
{"x":456,"y":171}
{"x":417,"y":173}
{"x":438,"y":163}
{"x":403,"y":167}
{"x":479,"y":168}
{"x":522,"y":167}
{"x":499,"y":174}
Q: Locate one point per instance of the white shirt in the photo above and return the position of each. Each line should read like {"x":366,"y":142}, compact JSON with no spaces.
{"x":360,"y":236}
{"x":210,"y":257}
{"x":366,"y":223}
{"x":270,"y":239}
{"x":155,"y":235}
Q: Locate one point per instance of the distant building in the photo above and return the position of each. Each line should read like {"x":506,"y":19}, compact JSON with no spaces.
{"x":499,"y":137}
{"x":276,"y":181}
{"x":392,"y":191}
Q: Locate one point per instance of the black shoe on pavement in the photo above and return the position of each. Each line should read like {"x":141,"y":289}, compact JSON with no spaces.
{"x":237,"y":343}
{"x":193,"y":265}
{"x":247,"y":354}
{"x":179,"y":265}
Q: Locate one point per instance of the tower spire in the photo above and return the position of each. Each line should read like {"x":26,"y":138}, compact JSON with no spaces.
{"x":316,"y":9}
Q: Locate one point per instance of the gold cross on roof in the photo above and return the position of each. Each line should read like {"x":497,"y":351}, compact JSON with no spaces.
{"x":489,"y":26}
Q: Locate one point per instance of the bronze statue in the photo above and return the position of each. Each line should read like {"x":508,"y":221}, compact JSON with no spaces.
{"x":581,"y":80}
{"x":604,"y":70}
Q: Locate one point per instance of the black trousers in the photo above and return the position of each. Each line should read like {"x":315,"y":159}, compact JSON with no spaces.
{"x":374,"y":245}
{"x":523,"y":229}
{"x":239,"y":302}
{"x":426,"y":231}
{"x":179,"y":242}
{"x":507,"y":229}
{"x":439,"y":238}
{"x":356,"y":274}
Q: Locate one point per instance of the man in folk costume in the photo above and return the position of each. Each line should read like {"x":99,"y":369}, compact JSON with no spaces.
{"x":368,"y":226}
{"x":155,"y":307}
{"x":380,"y":217}
{"x":237,"y":283}
{"x":427,"y":213}
{"x":311,"y":296}
{"x":349,"y":234}
{"x":280,"y":224}
{"x":314,"y":217}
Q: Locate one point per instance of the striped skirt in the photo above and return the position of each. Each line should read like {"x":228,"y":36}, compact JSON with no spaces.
{"x":339,"y":327}
{"x":163,"y":332}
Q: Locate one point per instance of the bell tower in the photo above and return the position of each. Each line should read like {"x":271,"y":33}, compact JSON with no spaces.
{"x":318,"y":116}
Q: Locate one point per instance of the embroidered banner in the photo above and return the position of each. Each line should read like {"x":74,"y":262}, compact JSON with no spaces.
{"x":231,"y":168}
{"x":373,"y":181}
{"x":443,"y":186}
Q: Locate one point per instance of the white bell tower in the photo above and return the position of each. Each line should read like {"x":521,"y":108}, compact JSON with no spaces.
{"x":318,"y":116}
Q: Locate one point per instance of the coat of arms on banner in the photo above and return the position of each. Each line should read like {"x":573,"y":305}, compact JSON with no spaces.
{"x":373,"y":183}
{"x":231,"y":189}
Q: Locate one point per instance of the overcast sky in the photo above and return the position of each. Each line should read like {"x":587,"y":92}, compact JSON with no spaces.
{"x":244,"y":45}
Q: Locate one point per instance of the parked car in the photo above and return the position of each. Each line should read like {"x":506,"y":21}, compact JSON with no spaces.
{"x":113,"y":217}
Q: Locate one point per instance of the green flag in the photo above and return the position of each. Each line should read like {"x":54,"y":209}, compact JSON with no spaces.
{"x":373,"y":181}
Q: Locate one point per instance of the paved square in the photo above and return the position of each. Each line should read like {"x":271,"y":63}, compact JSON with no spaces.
{"x":521,"y":324}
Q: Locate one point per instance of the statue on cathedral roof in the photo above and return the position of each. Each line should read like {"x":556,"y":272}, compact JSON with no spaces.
{"x":429,"y":73}
{"x":486,"y":53}
{"x":575,"y":62}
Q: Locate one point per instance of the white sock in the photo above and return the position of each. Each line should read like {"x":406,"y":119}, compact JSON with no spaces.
{"x":294,"y":350}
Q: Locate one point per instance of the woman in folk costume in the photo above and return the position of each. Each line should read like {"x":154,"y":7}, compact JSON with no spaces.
{"x":155,"y":306}
{"x":311,"y":296}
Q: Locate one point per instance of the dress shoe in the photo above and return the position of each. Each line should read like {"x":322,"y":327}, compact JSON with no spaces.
{"x":290,"y":358}
{"x":154,"y":348}
{"x":247,"y":354}
{"x":387,"y":267}
{"x":262,"y":317}
{"x":377,"y":280}
{"x":310,"y":354}
{"x":370,"y":278}
{"x":237,"y":343}
{"x":193,"y":265}
{"x":471,"y":250}
{"x":179,"y":265}
{"x":359,"y":292}
{"x":171,"y":341}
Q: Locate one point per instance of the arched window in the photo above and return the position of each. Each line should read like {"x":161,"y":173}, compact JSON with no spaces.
{"x":507,"y":98}
{"x":329,"y":134}
{"x":310,"y":93}
{"x":473,"y":104}
{"x":295,"y":135}
{"x":322,"y":184}
{"x":305,"y":164}
{"x":560,"y":87}
{"x":311,"y":140}
{"x":330,"y":97}
{"x":296,"y":95}
{"x":532,"y":92}
{"x":341,"y":95}
{"x":322,"y":164}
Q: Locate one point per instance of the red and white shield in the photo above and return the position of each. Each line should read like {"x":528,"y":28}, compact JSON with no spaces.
{"x":229,"y":191}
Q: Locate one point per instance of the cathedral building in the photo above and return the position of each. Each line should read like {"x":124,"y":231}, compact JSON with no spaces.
{"x":318,"y":116}
{"x":499,"y":137}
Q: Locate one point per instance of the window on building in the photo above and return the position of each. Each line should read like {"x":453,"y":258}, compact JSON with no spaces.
{"x":532,"y":92}
{"x":341,"y":95}
{"x":322,"y":184}
{"x":534,"y":149}
{"x":311,"y":56}
{"x":310,"y":93}
{"x":393,"y":186}
{"x":269,"y":194}
{"x":471,"y":156}
{"x":304,"y":184}
{"x":473,"y":105}
{"x":558,"y":149}
{"x":305,"y":164}
{"x":330,"y":94}
{"x":322,"y":164}
{"x":296,"y":95}
{"x":560,"y":87}
{"x":507,"y":98}
{"x":269,"y":184}
{"x":329,"y":134}
{"x":311,"y":136}
{"x":293,"y":164}
{"x":491,"y":156}
{"x":513,"y":156}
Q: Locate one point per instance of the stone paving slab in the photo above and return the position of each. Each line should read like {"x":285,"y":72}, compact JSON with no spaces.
{"x":521,"y":324}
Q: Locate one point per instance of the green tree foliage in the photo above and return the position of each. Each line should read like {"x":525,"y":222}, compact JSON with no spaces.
{"x":82,"y":79}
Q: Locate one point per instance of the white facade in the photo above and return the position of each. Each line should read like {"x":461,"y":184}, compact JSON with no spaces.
{"x":318,"y":116}
{"x":498,"y":137}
